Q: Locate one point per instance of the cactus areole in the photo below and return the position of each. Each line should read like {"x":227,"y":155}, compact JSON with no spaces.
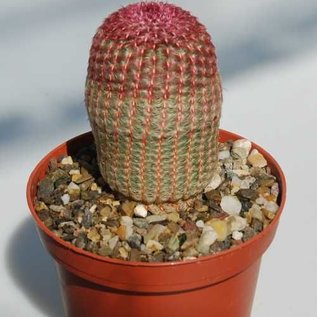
{"x":153,"y":95}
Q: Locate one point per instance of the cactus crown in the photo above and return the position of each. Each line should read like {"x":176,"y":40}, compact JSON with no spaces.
{"x":152,"y":22}
{"x":153,"y":95}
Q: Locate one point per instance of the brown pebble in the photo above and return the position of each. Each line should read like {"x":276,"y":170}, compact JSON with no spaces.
{"x":156,"y":257}
{"x":191,"y":240}
{"x":81,"y":240}
{"x":94,"y":235}
{"x":53,"y":164}
{"x":214,"y":207}
{"x":60,"y":177}
{"x":165,"y":237}
{"x":248,"y":233}
{"x":128,"y":207}
{"x":45,"y":190}
{"x":105,"y":250}
{"x":220,"y":245}
{"x":122,"y":232}
{"x":173,"y":227}
{"x":214,"y":195}
{"x":247,"y":194}
{"x":266,"y":180}
{"x":92,"y":247}
{"x":189,"y":252}
{"x":219,"y":215}
{"x":105,"y":211}
{"x":85,"y":185}
{"x":268,"y":214}
{"x":235,"y":243}
{"x":48,"y":222}
{"x":89,"y":195}
{"x":40,"y":206}
{"x":189,"y":226}
{"x":135,"y":255}
{"x":264,"y":191}
{"x":257,"y":225}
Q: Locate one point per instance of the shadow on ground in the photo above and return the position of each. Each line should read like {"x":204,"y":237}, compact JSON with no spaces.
{"x":33,"y":270}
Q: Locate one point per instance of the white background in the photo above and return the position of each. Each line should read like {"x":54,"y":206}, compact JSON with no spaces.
{"x":267,"y":54}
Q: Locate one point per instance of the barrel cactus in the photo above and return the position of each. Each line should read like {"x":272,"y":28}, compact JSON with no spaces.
{"x":153,"y":96}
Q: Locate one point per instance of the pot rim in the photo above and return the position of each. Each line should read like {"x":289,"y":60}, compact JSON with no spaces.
{"x":279,"y":174}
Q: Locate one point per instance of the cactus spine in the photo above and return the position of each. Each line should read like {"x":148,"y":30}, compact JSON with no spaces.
{"x":153,"y":95}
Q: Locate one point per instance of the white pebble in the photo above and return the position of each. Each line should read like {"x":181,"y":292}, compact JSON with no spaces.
{"x":256,"y":212}
{"x":155,"y":218}
{"x":126,"y":221}
{"x":214,"y":183}
{"x":140,"y":211}
{"x":242,"y":147}
{"x":67,"y":160}
{"x":207,"y":238}
{"x":271,"y":206}
{"x":237,"y":235}
{"x":153,"y":246}
{"x":275,"y":190}
{"x":241,"y":172}
{"x":74,"y":172}
{"x":57,"y":208}
{"x":188,"y":258}
{"x":236,"y":181}
{"x":94,"y":187}
{"x":93,"y":208}
{"x":113,"y":242}
{"x":106,"y":235}
{"x":261,"y":200}
{"x":128,"y":232}
{"x":154,"y":233}
{"x":67,"y":223}
{"x":123,"y":253}
{"x":200,"y":224}
{"x":234,"y":190}
{"x":231,"y":205}
{"x":237,"y":223}
{"x":256,"y":159}
{"x":224,"y":155}
{"x":247,"y":182}
{"x":73,"y":186}
{"x":65,"y":199}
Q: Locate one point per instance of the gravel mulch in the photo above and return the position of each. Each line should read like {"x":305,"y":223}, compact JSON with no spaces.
{"x":241,"y":200}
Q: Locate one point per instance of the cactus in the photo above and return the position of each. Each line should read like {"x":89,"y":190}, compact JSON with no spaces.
{"x":153,"y":96}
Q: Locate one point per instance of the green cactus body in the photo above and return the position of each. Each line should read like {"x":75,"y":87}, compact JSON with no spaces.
{"x":153,"y":95}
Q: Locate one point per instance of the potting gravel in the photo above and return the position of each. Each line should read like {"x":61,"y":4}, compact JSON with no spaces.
{"x":76,"y":204}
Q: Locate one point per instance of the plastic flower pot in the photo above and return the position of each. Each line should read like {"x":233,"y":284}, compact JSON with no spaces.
{"x":220,"y":285}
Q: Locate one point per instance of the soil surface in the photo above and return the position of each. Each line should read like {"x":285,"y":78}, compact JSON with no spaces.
{"x":77,"y":205}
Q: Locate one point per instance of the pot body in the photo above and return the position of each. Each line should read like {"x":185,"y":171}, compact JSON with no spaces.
{"x":230,"y":298}
{"x":220,"y":285}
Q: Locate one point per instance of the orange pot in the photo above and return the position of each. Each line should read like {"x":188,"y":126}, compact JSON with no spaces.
{"x":220,"y":285}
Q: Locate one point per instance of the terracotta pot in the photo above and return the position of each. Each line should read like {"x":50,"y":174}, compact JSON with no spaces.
{"x":220,"y":285}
